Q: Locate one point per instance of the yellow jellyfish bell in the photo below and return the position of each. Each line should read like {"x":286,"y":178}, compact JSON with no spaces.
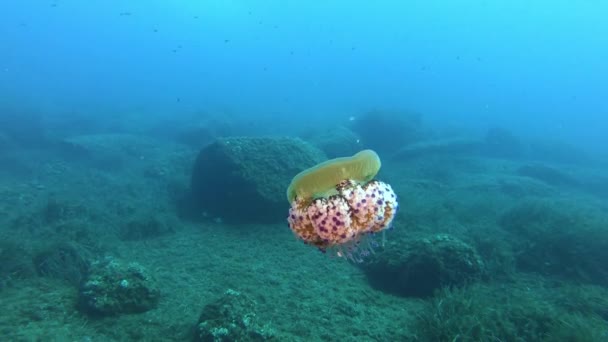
{"x":321,"y":180}
{"x":338,"y":206}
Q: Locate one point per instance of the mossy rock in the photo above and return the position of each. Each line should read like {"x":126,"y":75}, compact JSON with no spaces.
{"x":562,"y":239}
{"x":16,"y":263}
{"x":233,"y":317}
{"x":420,"y":266}
{"x":547,"y":174}
{"x":196,"y":137}
{"x":338,"y":142}
{"x":387,"y":131}
{"x":559,"y":152}
{"x":113,"y":287}
{"x":24,"y":128}
{"x":522,"y":311}
{"x":502,"y":143}
{"x":451,"y":147}
{"x":63,"y":260}
{"x":148,"y":226}
{"x":243,"y":179}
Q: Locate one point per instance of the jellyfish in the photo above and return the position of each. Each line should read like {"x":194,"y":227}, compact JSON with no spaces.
{"x":338,"y":206}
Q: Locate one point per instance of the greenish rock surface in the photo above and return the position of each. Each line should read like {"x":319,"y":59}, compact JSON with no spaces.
{"x":232,"y":318}
{"x":65,"y":261}
{"x":16,"y":263}
{"x":246,"y":178}
{"x":113,"y":287}
{"x":386,"y":131}
{"x":418,"y":267}
{"x":338,"y":142}
{"x":502,"y":143}
{"x":552,"y":238}
{"x":547,"y":174}
{"x":437,"y":147}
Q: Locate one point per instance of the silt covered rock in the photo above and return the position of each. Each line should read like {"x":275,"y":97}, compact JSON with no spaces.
{"x":337,"y":142}
{"x":418,"y":267}
{"x":113,"y":287}
{"x":244,"y":179}
{"x":232,"y":318}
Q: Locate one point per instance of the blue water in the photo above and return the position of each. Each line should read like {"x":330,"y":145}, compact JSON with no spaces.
{"x":538,"y":67}
{"x":146,"y":148}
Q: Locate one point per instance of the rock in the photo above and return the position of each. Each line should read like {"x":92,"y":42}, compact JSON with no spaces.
{"x":65,"y":261}
{"x":386,"y":131}
{"x":245,"y":179}
{"x":24,"y":128}
{"x":502,"y":143}
{"x":148,"y":225}
{"x":113,"y":287}
{"x":16,"y":263}
{"x":446,"y":146}
{"x":338,"y":142}
{"x":200,"y":128}
{"x":418,"y":267}
{"x":597,"y":185}
{"x":116,"y":145}
{"x":520,"y":187}
{"x":592,"y":181}
{"x":118,"y":152}
{"x":197,"y":137}
{"x":233,"y":317}
{"x":547,"y":174}
{"x":105,"y":151}
{"x":559,"y":152}
{"x":559,"y":239}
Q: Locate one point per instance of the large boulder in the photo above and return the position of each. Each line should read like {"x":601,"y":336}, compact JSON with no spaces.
{"x":559,"y":239}
{"x":559,"y":152}
{"x":197,"y":137}
{"x":337,"y":142}
{"x":547,"y":174}
{"x":16,"y":263}
{"x":388,"y":131}
{"x":502,"y":143}
{"x":113,"y":287}
{"x":455,"y":146}
{"x":65,"y":261}
{"x":244,"y":179}
{"x":417,"y":267}
{"x":233,"y":317}
{"x":24,"y":128}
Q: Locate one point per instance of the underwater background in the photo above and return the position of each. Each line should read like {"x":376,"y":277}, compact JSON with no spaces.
{"x":146,"y":149}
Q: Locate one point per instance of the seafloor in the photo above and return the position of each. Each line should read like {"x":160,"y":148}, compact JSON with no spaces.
{"x":544,"y":279}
